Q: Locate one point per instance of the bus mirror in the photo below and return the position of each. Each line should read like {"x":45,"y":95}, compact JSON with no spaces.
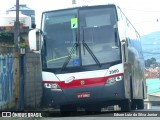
{"x":121,"y":31}
{"x":34,"y":41}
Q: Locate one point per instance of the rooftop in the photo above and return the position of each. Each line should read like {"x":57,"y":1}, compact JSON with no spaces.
{"x":21,"y":7}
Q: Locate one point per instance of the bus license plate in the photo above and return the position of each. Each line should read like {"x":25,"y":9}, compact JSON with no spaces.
{"x":83,"y":95}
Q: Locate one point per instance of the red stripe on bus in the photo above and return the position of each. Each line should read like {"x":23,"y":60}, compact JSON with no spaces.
{"x":86,"y":82}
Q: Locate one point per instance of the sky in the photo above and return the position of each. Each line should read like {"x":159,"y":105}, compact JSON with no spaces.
{"x":143,"y":14}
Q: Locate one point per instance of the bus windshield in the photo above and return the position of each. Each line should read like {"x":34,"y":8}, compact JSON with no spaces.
{"x":80,"y":37}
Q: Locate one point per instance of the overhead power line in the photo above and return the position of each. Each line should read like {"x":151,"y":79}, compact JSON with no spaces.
{"x":147,"y":21}
{"x":141,"y":10}
{"x":151,"y":52}
{"x":150,"y":43}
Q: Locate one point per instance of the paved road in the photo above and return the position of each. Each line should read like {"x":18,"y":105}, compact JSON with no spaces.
{"x":104,"y":118}
{"x":140,"y":115}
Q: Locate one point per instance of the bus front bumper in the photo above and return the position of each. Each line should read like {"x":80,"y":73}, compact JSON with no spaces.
{"x":83,"y":95}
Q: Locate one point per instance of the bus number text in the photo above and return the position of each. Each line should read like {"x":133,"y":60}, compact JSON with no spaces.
{"x":113,"y":71}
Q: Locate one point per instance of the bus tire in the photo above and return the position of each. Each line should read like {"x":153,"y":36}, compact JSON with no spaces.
{"x":125,"y":105}
{"x":140,"y":104}
{"x":66,"y":110}
{"x":133,"y":105}
{"x":92,"y":109}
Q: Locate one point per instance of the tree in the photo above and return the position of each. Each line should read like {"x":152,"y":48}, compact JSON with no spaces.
{"x":6,"y":36}
{"x":150,"y":61}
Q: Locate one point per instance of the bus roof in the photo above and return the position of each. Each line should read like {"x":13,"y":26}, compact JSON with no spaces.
{"x":79,"y":7}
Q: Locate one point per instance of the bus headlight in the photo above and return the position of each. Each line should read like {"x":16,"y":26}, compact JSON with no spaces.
{"x":55,"y":86}
{"x":47,"y":85}
{"x":52,"y":85}
{"x":113,"y":80}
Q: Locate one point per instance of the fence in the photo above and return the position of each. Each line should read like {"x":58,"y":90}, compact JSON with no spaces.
{"x":20,"y":80}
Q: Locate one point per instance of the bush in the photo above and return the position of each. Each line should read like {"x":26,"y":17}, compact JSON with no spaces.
{"x":7,"y":36}
{"x":7,"y":39}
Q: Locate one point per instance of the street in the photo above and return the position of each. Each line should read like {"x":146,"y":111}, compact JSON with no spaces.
{"x":153,"y":114}
{"x":147,"y":114}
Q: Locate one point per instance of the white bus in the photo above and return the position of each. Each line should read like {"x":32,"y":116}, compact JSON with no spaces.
{"x":91,"y":58}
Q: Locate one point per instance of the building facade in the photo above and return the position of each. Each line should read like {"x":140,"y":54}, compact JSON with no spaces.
{"x":24,"y":10}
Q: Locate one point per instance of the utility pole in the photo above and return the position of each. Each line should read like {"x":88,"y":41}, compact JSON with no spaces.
{"x":73,"y":2}
{"x":17,"y":61}
{"x":16,"y":27}
{"x":20,"y":81}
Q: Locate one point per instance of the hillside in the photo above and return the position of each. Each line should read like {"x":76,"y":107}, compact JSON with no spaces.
{"x":151,"y":45}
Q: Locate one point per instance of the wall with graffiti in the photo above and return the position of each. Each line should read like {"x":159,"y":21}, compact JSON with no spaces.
{"x":6,"y":77}
{"x":19,"y":75}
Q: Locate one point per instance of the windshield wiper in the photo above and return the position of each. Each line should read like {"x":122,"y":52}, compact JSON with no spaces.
{"x":92,"y":54}
{"x":69,"y":56}
{"x":90,"y":51}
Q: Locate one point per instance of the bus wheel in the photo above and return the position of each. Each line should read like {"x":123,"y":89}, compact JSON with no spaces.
{"x":92,"y":109}
{"x":66,"y":110}
{"x":140,"y":104}
{"x":133,"y":105}
{"x":125,"y":105}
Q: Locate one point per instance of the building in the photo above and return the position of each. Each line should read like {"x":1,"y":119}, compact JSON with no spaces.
{"x":7,"y":28}
{"x":153,"y":93}
{"x":7,"y":20}
{"x":24,"y":10}
{"x":152,"y":73}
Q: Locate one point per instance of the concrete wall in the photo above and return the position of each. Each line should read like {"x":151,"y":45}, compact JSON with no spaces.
{"x":152,"y":101}
{"x":20,"y":90}
{"x":33,"y":81}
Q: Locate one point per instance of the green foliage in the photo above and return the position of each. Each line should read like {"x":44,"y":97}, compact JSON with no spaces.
{"x":7,"y":39}
{"x":22,"y":43}
{"x":5,"y":33}
{"x":150,"y":61}
{"x":7,"y":36}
